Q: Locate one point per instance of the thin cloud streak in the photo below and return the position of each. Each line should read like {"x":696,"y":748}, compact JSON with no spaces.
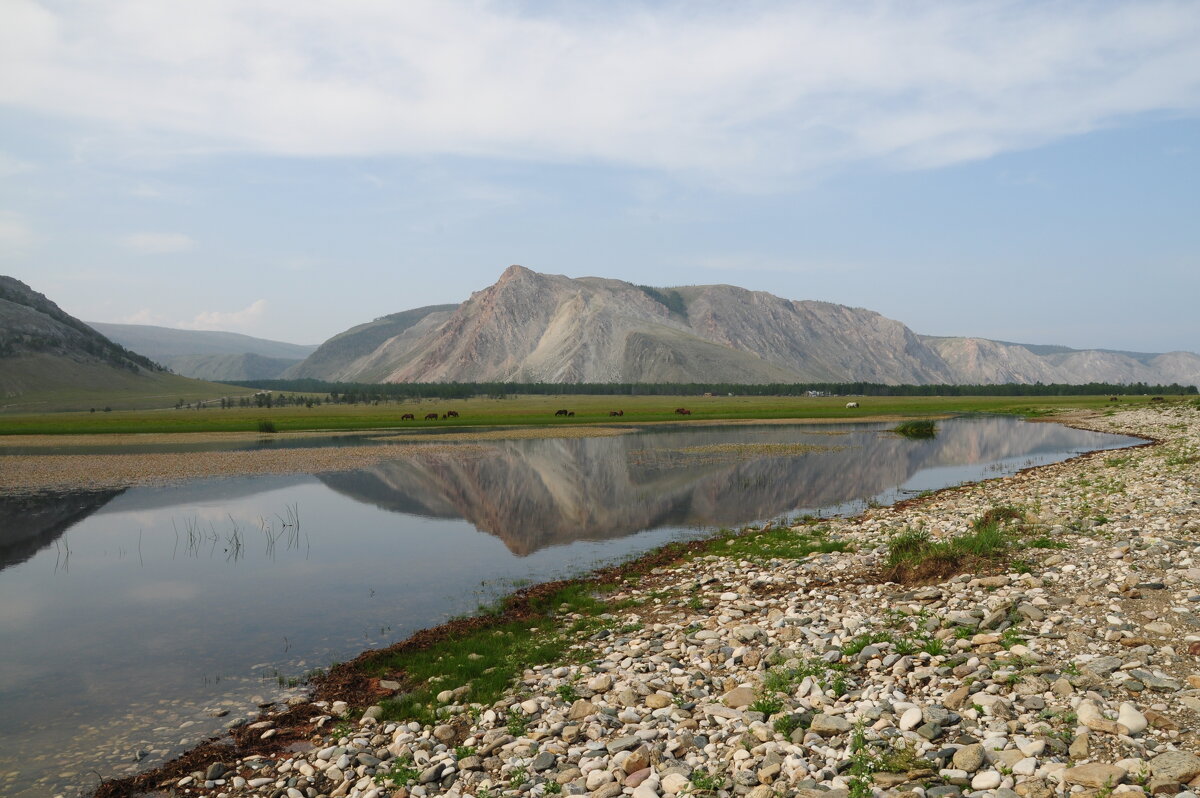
{"x":745,"y":95}
{"x":238,"y":320}
{"x":157,"y":243}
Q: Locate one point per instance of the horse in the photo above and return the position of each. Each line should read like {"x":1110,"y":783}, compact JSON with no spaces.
{"x":1157,"y":399}
{"x":563,"y":412}
{"x":570,"y":412}
{"x":1114,"y":398}
{"x":682,"y":411}
{"x":616,"y":412}
{"x":851,"y":404}
{"x":408,"y":417}
{"x":451,"y":414}
{"x":431,"y":416}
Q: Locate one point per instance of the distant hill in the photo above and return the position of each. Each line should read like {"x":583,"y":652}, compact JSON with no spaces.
{"x":208,"y":354}
{"x":364,"y":352}
{"x":531,"y":327}
{"x":50,"y":360}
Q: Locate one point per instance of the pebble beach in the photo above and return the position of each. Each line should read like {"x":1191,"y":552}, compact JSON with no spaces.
{"x":1074,"y":670}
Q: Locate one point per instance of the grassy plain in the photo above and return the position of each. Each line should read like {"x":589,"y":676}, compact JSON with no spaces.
{"x":540,"y":411}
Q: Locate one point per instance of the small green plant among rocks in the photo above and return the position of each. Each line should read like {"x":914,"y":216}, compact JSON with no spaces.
{"x":705,"y":782}
{"x":567,"y":693}
{"x":768,"y":706}
{"x":787,"y":724}
{"x":398,"y":774}
{"x":516,"y":721}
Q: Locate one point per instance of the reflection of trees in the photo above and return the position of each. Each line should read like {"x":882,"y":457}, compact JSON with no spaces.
{"x":537,"y":493}
{"x":30,"y":523}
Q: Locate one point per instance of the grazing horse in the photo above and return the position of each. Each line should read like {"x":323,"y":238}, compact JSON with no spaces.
{"x":431,"y":416}
{"x":851,"y":404}
{"x":408,"y":417}
{"x":616,"y":412}
{"x":563,"y":412}
{"x":1157,"y":399}
{"x":1114,"y":398}
{"x":682,"y":411}
{"x":451,"y":414}
{"x":570,"y":412}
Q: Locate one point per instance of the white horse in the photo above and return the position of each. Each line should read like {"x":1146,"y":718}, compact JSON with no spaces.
{"x":851,"y":404}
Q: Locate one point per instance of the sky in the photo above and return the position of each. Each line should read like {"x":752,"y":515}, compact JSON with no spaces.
{"x":1019,"y":171}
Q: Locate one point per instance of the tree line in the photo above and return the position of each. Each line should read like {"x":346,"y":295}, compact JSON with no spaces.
{"x":357,"y":392}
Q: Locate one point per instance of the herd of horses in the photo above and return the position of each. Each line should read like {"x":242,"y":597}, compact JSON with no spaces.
{"x":682,"y":411}
{"x":679,"y":411}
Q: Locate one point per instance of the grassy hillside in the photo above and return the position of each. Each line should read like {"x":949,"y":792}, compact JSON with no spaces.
{"x":161,"y":343}
{"x":47,"y":383}
{"x":228,"y":367}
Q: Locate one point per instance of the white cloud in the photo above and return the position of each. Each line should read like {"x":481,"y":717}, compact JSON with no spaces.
{"x":143,"y":316}
{"x":10,"y":166}
{"x":16,"y":234}
{"x":744,"y":93}
{"x":157,"y":243}
{"x":236,"y":320}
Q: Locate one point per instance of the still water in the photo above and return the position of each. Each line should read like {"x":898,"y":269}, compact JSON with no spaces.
{"x":130,"y":618}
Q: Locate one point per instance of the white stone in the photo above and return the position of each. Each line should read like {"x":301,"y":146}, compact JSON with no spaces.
{"x":911,"y":719}
{"x":1131,"y":718}
{"x":986,"y":780}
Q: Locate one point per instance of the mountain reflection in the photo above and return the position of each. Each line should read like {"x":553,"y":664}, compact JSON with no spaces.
{"x":29,"y":523}
{"x":537,"y":493}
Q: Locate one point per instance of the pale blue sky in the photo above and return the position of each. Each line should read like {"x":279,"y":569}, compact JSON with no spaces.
{"x":1025,"y":172}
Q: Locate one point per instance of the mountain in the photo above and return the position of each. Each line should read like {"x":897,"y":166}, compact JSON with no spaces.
{"x":540,"y":327}
{"x":50,"y":360}
{"x":531,"y":327}
{"x":356,"y":353}
{"x":981,"y":361}
{"x":208,"y":354}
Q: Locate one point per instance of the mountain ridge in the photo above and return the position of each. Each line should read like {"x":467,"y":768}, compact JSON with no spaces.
{"x":533,"y":327}
{"x":208,"y":354}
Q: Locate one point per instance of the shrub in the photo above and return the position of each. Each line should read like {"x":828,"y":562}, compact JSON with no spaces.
{"x":266,"y":426}
{"x":916,"y":429}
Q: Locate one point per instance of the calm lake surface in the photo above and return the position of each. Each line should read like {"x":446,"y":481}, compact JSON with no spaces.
{"x":130,"y":618}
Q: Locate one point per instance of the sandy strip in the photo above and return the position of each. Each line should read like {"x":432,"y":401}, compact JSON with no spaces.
{"x":51,"y":472}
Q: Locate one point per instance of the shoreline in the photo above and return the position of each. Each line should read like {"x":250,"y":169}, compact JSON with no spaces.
{"x":48,"y":471}
{"x":843,"y":576}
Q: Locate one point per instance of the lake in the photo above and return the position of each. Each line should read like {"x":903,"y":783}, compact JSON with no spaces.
{"x":137,"y":622}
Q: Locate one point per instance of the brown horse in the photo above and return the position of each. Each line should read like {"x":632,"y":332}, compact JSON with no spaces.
{"x":431,"y":416}
{"x":616,"y":412}
{"x":451,"y":414}
{"x":563,"y":412}
{"x":682,"y":411}
{"x":1157,"y":399}
{"x":408,"y":417}
{"x":1114,"y":399}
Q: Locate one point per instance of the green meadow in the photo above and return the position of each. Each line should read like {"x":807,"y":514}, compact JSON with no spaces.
{"x":539,"y":411}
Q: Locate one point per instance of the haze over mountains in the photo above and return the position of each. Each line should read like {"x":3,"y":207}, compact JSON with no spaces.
{"x":207,"y":354}
{"x":531,"y":327}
